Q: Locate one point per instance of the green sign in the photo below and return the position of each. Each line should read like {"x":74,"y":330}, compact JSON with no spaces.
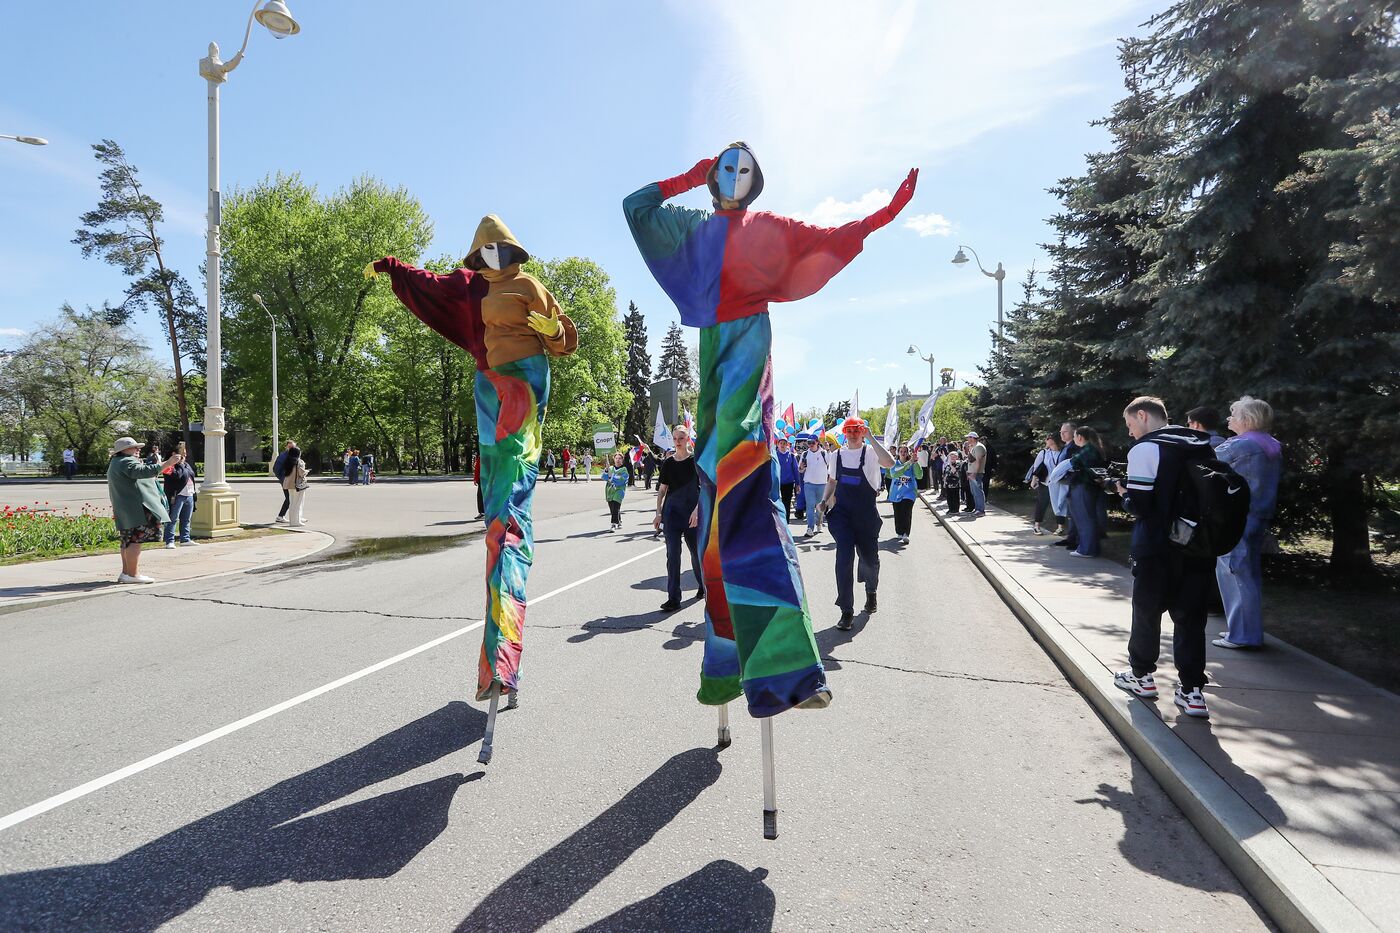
{"x":604,"y":439}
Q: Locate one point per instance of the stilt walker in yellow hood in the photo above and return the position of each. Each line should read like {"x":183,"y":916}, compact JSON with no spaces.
{"x":510,"y":324}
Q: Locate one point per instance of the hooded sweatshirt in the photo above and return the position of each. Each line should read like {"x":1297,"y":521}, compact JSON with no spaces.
{"x":1154,"y":471}
{"x":484,"y":312}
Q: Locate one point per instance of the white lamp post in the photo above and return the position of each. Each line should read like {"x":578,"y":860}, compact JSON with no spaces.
{"x":273,"y":322}
{"x":999,"y":275}
{"x":914,"y":351}
{"x":217,"y":514}
{"x":31,"y":140}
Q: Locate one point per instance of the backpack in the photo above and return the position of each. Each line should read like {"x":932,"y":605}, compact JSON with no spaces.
{"x":1211,"y":509}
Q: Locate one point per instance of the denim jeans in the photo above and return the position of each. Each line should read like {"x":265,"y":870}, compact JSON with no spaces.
{"x":813,"y":492}
{"x":1084,"y":512}
{"x":181,"y":509}
{"x":979,"y":495}
{"x":1240,"y":575}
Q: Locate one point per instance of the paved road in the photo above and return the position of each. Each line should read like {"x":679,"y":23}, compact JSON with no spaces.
{"x":956,"y":783}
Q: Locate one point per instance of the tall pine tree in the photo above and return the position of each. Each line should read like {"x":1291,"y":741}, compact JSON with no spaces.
{"x":638,"y":375}
{"x":1247,"y":277}
{"x":675,"y":362}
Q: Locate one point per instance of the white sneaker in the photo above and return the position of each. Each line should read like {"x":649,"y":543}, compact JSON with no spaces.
{"x":170,"y":545}
{"x":280,"y":518}
{"x":139,"y":578}
{"x":1144,"y":686}
{"x":1192,"y":703}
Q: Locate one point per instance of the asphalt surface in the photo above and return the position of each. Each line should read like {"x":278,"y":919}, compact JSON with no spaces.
{"x":957,"y":782}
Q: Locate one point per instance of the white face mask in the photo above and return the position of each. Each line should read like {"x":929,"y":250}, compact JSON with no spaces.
{"x":734,"y":174}
{"x":491,"y":256}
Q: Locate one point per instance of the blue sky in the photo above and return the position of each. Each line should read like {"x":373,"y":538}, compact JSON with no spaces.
{"x":550,"y":117}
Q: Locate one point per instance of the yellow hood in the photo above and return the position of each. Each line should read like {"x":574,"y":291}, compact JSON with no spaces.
{"x":493,"y":229}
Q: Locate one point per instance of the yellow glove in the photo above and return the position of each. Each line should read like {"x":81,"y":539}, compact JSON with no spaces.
{"x":369,"y":269}
{"x":549,"y":326}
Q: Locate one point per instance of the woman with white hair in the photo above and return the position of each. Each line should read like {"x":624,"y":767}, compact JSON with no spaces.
{"x":138,"y":506}
{"x":1257,"y":456}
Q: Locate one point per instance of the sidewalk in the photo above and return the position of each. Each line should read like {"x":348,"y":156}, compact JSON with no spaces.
{"x":1294,"y":780}
{"x":53,"y":580}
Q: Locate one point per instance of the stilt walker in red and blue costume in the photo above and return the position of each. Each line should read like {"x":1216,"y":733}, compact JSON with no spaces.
{"x":722,"y":268}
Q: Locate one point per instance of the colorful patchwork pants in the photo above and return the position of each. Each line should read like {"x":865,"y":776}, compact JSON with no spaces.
{"x":758,"y":632}
{"x":510,"y":406}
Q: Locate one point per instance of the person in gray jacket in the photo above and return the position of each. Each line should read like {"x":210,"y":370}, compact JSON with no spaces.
{"x":138,"y":506}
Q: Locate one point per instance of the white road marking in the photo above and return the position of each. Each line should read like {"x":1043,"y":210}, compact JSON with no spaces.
{"x":82,"y":790}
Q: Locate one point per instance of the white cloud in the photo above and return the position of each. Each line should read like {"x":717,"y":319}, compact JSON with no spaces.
{"x":832,"y":94}
{"x":833,"y":213}
{"x":12,"y":332}
{"x":929,"y":225}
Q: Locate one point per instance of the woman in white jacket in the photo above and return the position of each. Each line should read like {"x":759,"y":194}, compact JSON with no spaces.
{"x":295,"y":484}
{"x":1048,"y":496}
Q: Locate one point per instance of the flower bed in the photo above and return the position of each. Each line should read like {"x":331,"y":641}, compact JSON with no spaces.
{"x":29,"y":532}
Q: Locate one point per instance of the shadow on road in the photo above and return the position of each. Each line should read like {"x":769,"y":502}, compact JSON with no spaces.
{"x":555,"y":881}
{"x":722,"y":896}
{"x":265,"y":839}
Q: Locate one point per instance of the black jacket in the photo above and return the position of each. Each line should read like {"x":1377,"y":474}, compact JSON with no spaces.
{"x":176,"y":478}
{"x":1154,"y":472}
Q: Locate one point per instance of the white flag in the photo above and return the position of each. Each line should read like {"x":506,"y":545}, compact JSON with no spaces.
{"x":661,"y":436}
{"x":891,"y":425}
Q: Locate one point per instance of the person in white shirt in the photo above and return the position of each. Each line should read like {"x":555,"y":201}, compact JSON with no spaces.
{"x":854,"y":518}
{"x":70,"y":462}
{"x":587,"y":465}
{"x":814,"y":466}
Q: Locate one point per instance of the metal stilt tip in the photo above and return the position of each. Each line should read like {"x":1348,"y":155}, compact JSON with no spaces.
{"x":770,"y":824}
{"x":514,"y":701}
{"x":484,"y":758}
{"x":724,"y":738}
{"x":486,"y":741}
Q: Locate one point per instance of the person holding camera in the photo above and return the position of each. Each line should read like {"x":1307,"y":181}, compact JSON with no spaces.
{"x":1164,"y":579}
{"x":138,"y":506}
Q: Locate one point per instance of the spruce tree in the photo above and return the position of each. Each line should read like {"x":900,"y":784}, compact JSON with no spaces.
{"x":1247,"y":278}
{"x":675,"y":362}
{"x":638,"y":376}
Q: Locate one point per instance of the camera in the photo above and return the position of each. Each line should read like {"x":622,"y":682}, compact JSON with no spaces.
{"x":1108,"y":477}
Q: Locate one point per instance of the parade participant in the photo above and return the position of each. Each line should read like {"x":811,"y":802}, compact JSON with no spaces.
{"x":510,"y":324}
{"x":906,"y":478}
{"x":787,"y":476}
{"x":852,"y":515}
{"x":815,"y":467}
{"x":722,"y":269}
{"x":678,"y":514}
{"x":614,"y":490}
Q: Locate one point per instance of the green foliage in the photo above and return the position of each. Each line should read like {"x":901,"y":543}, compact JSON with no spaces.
{"x":675,"y":360}
{"x":27,"y":533}
{"x":304,"y":252}
{"x":590,"y":385}
{"x":638,"y":371}
{"x":81,"y":381}
{"x":952,"y":414}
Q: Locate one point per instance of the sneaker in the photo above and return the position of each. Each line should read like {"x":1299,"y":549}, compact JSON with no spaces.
{"x":669,"y":606}
{"x":188,"y":543}
{"x":1077,"y":554}
{"x":845,"y":622}
{"x":1224,"y":642}
{"x":980,"y":514}
{"x":280,"y":518}
{"x":138,"y":578}
{"x":170,"y":545}
{"x":870,"y":603}
{"x":1144,"y":686}
{"x":1191,"y":702}
{"x":1038,"y":530}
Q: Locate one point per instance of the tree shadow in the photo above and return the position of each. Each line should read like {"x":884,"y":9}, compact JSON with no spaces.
{"x":722,"y":896}
{"x":265,"y":839}
{"x":553,"y":882}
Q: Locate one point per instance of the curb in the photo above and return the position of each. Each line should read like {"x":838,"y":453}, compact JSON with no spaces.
{"x":1294,"y":894}
{"x":35,"y":602}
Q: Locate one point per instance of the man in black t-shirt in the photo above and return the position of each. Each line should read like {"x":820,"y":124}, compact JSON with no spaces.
{"x":678,"y":514}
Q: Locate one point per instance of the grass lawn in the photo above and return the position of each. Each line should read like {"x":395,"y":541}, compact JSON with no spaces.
{"x":1354,"y":624}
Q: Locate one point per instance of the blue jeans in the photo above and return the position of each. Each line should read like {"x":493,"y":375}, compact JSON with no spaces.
{"x":1084,"y":511}
{"x":1240,"y":575}
{"x":812,"y":493}
{"x":979,"y":495}
{"x":181,"y":509}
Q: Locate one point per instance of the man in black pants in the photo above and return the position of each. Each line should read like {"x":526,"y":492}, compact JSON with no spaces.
{"x":279,"y":470}
{"x":1163,"y":579}
{"x":678,"y":514}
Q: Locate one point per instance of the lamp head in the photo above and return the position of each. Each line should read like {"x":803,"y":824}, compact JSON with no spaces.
{"x":911,"y":351}
{"x":32,"y":140}
{"x":277,"y":19}
{"x":257,"y":298}
{"x":960,"y":258}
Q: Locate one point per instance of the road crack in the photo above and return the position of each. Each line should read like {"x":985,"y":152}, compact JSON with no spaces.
{"x":322,"y":611}
{"x":953,"y":675}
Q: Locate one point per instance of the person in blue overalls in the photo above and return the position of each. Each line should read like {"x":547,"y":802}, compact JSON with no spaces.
{"x":852,"y":515}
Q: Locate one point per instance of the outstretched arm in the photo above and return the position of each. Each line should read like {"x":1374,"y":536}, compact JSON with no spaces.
{"x":449,"y":304}
{"x":816,"y":254}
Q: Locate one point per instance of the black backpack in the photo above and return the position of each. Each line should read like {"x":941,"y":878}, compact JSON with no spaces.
{"x":1211,"y":509}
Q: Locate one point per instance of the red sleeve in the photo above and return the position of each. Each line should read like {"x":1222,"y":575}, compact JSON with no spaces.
{"x":691,"y":179}
{"x":814,"y":255}
{"x":449,"y":304}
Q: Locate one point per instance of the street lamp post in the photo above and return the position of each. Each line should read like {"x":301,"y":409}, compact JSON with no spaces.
{"x":30,"y":140}
{"x":273,"y":322}
{"x":217,"y":514}
{"x":999,"y":275}
{"x":914,"y":351}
